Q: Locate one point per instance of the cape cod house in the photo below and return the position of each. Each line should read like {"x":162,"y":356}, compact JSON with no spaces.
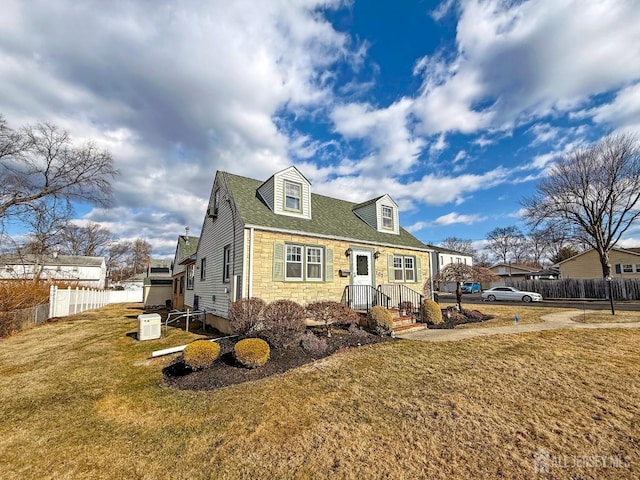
{"x":185,"y":248}
{"x":275,"y":239}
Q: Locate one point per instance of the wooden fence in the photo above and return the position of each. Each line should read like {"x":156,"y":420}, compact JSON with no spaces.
{"x":596,"y":288}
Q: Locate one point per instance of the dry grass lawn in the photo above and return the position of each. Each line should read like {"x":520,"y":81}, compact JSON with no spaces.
{"x":504,"y":314}
{"x":604,"y":316}
{"x":81,"y":399}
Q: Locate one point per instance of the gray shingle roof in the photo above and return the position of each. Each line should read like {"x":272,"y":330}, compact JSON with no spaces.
{"x":59,"y":260}
{"x":330,"y":216}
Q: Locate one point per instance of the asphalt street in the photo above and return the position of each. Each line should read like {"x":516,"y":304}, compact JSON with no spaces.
{"x":582,"y":304}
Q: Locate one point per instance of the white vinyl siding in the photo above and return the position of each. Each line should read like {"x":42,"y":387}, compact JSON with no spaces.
{"x":215,"y":295}
{"x":287,"y":193}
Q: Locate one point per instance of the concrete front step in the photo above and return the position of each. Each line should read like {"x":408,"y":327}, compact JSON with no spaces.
{"x":414,"y":327}
{"x":403,"y":321}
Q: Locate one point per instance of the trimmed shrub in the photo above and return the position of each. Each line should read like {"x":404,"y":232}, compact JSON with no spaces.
{"x":329,"y":313}
{"x":283,"y":323}
{"x":313,"y":344}
{"x":245,"y":315}
{"x":200,"y":354}
{"x":431,"y":312}
{"x":380,"y":321}
{"x":251,"y":352}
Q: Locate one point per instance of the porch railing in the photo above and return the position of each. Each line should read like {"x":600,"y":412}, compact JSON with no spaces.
{"x":403,"y":297}
{"x":363,"y":297}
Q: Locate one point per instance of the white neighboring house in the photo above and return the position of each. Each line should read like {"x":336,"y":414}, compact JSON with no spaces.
{"x":441,"y":257}
{"x":78,"y":270}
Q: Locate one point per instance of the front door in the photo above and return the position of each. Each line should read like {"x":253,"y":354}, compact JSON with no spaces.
{"x":361,"y":279}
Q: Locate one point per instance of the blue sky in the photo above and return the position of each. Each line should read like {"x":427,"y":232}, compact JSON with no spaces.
{"x":454,"y":108}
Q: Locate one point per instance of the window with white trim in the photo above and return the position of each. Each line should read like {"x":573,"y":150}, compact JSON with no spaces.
{"x":409,"y":269}
{"x":627,"y":268}
{"x":387,"y":217}
{"x":404,"y":268}
{"x":191,"y":274}
{"x":314,"y":263}
{"x":304,"y":263}
{"x":293,"y":196}
{"x":293,"y":270}
{"x":203,"y":268}
{"x":226,"y":263}
{"x":398,"y":271}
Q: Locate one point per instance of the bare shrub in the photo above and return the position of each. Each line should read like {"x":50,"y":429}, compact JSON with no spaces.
{"x":329,"y":313}
{"x":283,"y":323}
{"x":313,"y":344}
{"x":245,"y":315}
{"x":19,"y":295}
{"x":356,"y":331}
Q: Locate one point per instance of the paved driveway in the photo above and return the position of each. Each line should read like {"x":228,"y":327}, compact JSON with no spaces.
{"x":553,"y":321}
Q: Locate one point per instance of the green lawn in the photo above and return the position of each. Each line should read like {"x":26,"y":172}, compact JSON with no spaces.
{"x":81,"y":399}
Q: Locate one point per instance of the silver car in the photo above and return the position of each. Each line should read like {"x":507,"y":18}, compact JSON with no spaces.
{"x":510,"y":293}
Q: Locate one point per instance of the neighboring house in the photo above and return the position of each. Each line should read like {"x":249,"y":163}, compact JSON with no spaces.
{"x":511,"y":271}
{"x":185,"y":248}
{"x":277,"y":240}
{"x":76,"y":270}
{"x":157,"y":283}
{"x":625,"y":263}
{"x":441,"y":257}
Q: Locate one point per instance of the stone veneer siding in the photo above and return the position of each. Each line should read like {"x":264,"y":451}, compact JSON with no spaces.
{"x":306,"y":292}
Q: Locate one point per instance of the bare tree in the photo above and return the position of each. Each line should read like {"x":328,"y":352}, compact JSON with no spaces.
{"x":39,"y":163}
{"x":458,"y":245}
{"x":127,"y":258}
{"x":89,"y":240}
{"x":595,"y":191}
{"x":459,"y":272}
{"x":503,"y":241}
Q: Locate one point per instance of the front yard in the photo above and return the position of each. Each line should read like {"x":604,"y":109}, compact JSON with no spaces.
{"x":81,"y":398}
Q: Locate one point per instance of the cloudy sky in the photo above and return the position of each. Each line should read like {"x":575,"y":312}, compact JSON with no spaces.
{"x":455,"y":108}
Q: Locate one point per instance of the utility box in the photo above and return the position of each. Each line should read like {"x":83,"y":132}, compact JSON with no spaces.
{"x":149,"y":326}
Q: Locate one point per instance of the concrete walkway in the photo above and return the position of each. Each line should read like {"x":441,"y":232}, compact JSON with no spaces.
{"x":552,"y":321}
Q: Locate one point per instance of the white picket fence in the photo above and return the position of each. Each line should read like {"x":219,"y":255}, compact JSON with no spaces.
{"x":69,"y":301}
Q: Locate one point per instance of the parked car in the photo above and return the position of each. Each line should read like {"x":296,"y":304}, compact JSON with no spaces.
{"x":510,"y":293}
{"x":470,"y":287}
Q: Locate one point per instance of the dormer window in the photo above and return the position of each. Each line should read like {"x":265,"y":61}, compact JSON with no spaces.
{"x":292,"y":196}
{"x":387,"y":217}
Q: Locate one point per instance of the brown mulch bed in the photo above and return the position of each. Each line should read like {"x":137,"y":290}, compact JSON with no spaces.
{"x":227,"y":372}
{"x":452,"y":317}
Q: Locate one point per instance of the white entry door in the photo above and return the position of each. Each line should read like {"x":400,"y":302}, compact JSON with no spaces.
{"x":361,"y":279}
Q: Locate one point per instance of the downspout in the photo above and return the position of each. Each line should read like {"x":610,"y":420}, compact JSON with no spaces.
{"x":431,"y":274}
{"x":250,"y":268}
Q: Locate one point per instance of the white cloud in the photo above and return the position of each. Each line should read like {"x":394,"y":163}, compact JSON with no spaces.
{"x":622,"y":113}
{"x":386,"y":132}
{"x":518,"y":61}
{"x":453,"y":218}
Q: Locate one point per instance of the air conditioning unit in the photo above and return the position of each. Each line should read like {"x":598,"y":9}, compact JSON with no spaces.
{"x":212,"y":212}
{"x":149,"y":326}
